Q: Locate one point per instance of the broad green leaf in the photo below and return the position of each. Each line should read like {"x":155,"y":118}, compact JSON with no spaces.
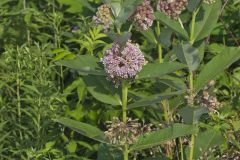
{"x":71,"y":146}
{"x":76,"y":6}
{"x":201,"y":50}
{"x":188,"y":55}
{"x":102,"y":90}
{"x":206,"y":20}
{"x":165,"y":37}
{"x":153,"y":99}
{"x":85,"y":64}
{"x":109,"y":152}
{"x":120,"y":39}
{"x":155,"y":138}
{"x":116,"y":7}
{"x":216,"y":48}
{"x":174,"y":25}
{"x":127,"y":9}
{"x":149,"y":34}
{"x":173,"y":82}
{"x":193,"y":4}
{"x":84,"y":129}
{"x":191,"y":115}
{"x":216,"y":66}
{"x":154,"y":70}
{"x":206,"y":140}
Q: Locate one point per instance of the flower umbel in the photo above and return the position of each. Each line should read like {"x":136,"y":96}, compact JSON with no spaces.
{"x":172,"y":8}
{"x":121,"y":133}
{"x":123,"y":63}
{"x":143,"y":16}
{"x":103,"y":17}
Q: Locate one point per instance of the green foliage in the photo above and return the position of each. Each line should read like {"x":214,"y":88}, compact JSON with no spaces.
{"x":188,"y":55}
{"x":163,"y":135}
{"x":192,"y":115}
{"x":102,"y":90}
{"x":217,"y":65}
{"x":84,"y":129}
{"x":206,"y":20}
{"x":154,"y":70}
{"x":85,"y":64}
{"x":175,"y":26}
{"x":50,"y":67}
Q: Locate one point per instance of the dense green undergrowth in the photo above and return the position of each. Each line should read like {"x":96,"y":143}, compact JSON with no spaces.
{"x":56,"y":103}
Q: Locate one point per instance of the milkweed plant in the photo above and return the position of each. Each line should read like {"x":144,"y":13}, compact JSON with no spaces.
{"x":171,"y":80}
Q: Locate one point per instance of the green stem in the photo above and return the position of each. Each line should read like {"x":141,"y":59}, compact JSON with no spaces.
{"x":166,"y":111}
{"x":125,"y":152}
{"x":160,"y":56}
{"x":18,"y":91}
{"x":191,"y":80}
{"x":180,"y":21}
{"x":118,"y":30}
{"x":124,"y":113}
{"x":160,"y":59}
{"x":181,"y":148}
{"x":130,"y":28}
{"x":158,"y":29}
{"x":192,"y":146}
{"x":124,"y":101}
{"x":164,"y":102}
{"x":193,"y":25}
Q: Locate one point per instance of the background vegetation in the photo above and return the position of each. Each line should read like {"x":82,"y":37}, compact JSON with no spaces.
{"x":36,"y":89}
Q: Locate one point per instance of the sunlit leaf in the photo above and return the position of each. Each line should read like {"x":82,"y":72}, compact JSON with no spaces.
{"x":84,"y":129}
{"x":155,"y":138}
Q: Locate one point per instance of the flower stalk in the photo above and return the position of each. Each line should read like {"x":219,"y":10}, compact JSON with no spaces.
{"x":124,"y":100}
{"x":160,"y":56}
{"x":124,"y":113}
{"x":191,"y":87}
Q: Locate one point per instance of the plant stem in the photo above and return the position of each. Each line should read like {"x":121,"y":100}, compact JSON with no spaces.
{"x":125,"y":152}
{"x":180,"y":21}
{"x":18,"y":91}
{"x":181,"y":148}
{"x":191,"y":103}
{"x":124,"y":101}
{"x":160,"y":59}
{"x":166,"y":111}
{"x":165,"y":103}
{"x":192,"y":146}
{"x":191,"y":80}
{"x":160,"y":56}
{"x":130,"y":28}
{"x":193,"y":25}
{"x":160,"y":53}
{"x":124,"y":113}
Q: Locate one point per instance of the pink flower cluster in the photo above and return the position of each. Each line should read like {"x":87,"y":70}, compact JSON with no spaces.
{"x":123,"y":63}
{"x":143,"y":15}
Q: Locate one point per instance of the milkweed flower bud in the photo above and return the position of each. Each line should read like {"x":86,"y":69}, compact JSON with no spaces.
{"x":143,"y":16}
{"x":172,"y":8}
{"x":123,"y":62}
{"x":103,"y":17}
